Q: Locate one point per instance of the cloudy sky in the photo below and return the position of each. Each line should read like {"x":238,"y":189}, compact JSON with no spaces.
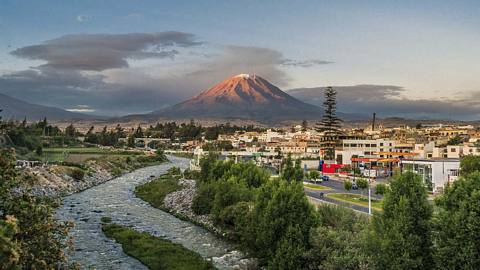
{"x":400,"y":58}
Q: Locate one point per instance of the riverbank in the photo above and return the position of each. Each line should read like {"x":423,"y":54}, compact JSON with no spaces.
{"x":155,"y":252}
{"x":174,"y":194}
{"x":67,"y":178}
{"x":115,"y":199}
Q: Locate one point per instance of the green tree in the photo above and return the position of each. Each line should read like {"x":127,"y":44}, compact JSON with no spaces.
{"x":469,"y":164}
{"x":338,"y":243}
{"x":455,"y":140}
{"x":70,"y":131}
{"x":362,"y":184}
{"x":131,"y":141}
{"x":290,"y":253}
{"x":280,"y":205}
{"x":381,"y":189}
{"x":314,"y":175}
{"x":347,"y":185}
{"x":30,"y":236}
{"x":299,"y":174}
{"x":457,"y":224}
{"x":291,"y":172}
{"x":401,"y":233}
{"x":330,"y":123}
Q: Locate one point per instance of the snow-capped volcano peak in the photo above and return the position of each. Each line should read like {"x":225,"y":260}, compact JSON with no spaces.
{"x":243,"y":76}
{"x":244,"y":96}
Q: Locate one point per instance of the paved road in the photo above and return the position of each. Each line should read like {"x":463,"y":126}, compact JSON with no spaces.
{"x":337,"y":186}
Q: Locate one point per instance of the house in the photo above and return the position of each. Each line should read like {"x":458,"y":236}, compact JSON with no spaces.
{"x":436,"y":173}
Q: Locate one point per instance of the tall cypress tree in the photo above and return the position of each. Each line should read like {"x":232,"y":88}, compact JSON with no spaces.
{"x":330,"y":124}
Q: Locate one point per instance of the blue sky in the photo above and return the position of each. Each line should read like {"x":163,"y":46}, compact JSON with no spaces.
{"x":429,"y":49}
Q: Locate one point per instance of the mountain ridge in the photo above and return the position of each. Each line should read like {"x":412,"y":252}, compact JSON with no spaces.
{"x":17,"y":109}
{"x":244,"y":96}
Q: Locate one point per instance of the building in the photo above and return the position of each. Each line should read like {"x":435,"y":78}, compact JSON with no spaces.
{"x":436,"y":173}
{"x":359,"y":148}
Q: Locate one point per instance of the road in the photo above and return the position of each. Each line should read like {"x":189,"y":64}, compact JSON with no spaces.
{"x":336,"y":186}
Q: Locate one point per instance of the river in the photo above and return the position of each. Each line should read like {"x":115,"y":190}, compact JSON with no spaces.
{"x":116,"y":199}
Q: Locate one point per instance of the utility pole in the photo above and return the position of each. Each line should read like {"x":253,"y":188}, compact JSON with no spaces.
{"x":369,"y":193}
{"x":369,"y":198}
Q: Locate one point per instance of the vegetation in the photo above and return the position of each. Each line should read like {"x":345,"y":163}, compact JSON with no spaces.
{"x":401,"y":233}
{"x":338,"y":241}
{"x":381,"y":189}
{"x":291,"y":171}
{"x":154,"y":192}
{"x":30,"y":237}
{"x":457,"y":224}
{"x":356,"y":199}
{"x":330,"y":123}
{"x":270,"y":219}
{"x":316,"y":187}
{"x":155,"y":252}
{"x":313,"y":175}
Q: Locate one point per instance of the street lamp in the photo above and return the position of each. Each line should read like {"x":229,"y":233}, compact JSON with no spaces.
{"x":369,"y":193}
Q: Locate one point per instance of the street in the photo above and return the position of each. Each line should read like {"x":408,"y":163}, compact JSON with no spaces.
{"x":337,"y":186}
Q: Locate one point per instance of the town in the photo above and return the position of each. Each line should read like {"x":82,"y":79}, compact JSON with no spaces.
{"x":433,"y":151}
{"x":239,"y":135}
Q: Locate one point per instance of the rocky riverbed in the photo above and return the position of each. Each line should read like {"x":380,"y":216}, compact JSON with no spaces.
{"x":54,"y":180}
{"x":180,"y":203}
{"x":115,"y":199}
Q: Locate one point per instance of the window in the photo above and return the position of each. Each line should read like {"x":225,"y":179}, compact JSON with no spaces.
{"x":453,"y":150}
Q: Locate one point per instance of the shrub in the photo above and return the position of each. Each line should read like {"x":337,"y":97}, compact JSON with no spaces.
{"x":77,"y":174}
{"x":203,"y":201}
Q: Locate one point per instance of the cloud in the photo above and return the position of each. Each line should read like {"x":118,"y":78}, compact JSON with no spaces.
{"x":99,"y":71}
{"x":391,"y":100}
{"x":81,"y":109}
{"x":233,"y":60}
{"x":304,"y":63}
{"x":83,"y":18}
{"x":97,"y":52}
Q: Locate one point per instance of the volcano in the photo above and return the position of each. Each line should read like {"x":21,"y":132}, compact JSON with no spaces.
{"x":244,"y":96}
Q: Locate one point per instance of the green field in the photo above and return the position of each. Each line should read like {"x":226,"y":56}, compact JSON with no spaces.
{"x":356,"y":199}
{"x":316,"y":187}
{"x":154,"y":192}
{"x":155,"y":252}
{"x":80,"y":154}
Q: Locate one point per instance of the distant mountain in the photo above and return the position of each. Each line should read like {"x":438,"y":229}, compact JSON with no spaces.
{"x":243,"y":96}
{"x":17,"y":109}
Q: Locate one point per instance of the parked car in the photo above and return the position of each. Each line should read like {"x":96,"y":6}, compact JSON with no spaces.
{"x":325,"y":178}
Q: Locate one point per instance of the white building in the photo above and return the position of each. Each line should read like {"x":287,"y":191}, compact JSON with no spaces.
{"x":364,"y":149}
{"x":435,"y":172}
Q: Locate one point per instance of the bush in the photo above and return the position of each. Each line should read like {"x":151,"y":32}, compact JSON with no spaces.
{"x":77,"y":174}
{"x":203,"y":201}
{"x":380,"y":189}
{"x":348,"y":185}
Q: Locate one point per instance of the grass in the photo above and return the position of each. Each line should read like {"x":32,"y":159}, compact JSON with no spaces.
{"x":81,"y":154}
{"x":182,"y":155}
{"x":155,"y":252}
{"x":154,"y":192}
{"x":356,"y":199}
{"x":78,"y":150}
{"x":316,"y":187}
